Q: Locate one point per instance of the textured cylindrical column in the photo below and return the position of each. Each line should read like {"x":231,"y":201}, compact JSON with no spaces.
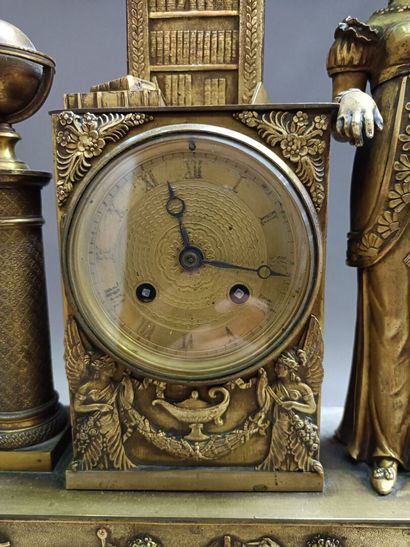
{"x":29,"y":408}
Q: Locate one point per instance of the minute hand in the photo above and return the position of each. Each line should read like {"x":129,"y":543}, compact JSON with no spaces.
{"x":175,"y":207}
{"x":263,"y":271}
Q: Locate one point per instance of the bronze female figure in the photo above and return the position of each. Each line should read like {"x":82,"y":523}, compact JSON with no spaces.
{"x":376,"y":422}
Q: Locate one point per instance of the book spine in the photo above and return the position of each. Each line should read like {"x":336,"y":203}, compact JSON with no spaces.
{"x":214,"y":47}
{"x":173,"y":47}
{"x":221,"y":47}
{"x":200,"y":47}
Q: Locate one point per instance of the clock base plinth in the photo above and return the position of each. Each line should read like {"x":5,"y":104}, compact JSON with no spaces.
{"x":39,"y":458}
{"x":205,"y":479}
{"x":36,"y":509}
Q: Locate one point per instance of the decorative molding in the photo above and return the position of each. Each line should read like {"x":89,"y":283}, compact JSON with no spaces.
{"x":251,"y":50}
{"x":82,"y":138}
{"x":137,"y":38}
{"x":12,"y":440}
{"x":300,"y":139}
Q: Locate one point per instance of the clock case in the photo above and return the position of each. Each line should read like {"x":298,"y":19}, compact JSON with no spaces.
{"x":248,"y":441}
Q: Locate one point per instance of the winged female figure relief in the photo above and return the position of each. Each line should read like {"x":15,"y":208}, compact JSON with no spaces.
{"x":292,"y":396}
{"x":101,"y":403}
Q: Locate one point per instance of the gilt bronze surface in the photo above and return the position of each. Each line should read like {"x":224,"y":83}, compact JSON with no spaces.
{"x":376,"y":423}
{"x":132,"y":430}
{"x":29,"y":410}
{"x":198,"y":52}
{"x":347,"y":514}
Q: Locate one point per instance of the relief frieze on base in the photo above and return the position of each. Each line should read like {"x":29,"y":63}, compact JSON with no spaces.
{"x":145,"y":540}
{"x":115,"y":413}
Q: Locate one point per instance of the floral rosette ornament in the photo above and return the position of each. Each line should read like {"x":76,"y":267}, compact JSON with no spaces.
{"x":81,"y":138}
{"x":300,"y":140}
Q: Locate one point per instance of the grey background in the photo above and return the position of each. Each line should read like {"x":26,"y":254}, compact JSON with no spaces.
{"x":87,"y":40}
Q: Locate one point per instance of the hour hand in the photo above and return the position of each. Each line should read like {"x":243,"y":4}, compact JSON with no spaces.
{"x":264,"y":271}
{"x":176,"y":208}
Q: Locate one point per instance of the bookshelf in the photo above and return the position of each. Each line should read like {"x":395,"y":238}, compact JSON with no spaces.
{"x":197,"y":51}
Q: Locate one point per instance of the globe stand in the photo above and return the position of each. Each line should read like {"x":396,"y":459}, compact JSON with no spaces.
{"x":32,"y":421}
{"x":8,"y":140}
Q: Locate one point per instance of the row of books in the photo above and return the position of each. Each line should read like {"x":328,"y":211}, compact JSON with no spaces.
{"x":178,"y":90}
{"x":200,"y":5}
{"x":194,"y":47}
{"x":215,"y":91}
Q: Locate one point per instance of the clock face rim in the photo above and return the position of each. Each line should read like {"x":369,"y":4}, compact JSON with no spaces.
{"x":309,"y":213}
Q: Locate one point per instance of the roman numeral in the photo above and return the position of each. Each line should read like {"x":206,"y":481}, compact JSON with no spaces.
{"x":149,"y":180}
{"x":193,"y":169}
{"x":235,"y":188}
{"x":270,"y":216}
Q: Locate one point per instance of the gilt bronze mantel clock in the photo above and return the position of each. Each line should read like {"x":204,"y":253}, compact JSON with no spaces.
{"x":192,"y":245}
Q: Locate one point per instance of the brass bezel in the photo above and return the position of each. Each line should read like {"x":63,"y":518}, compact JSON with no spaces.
{"x":289,"y":177}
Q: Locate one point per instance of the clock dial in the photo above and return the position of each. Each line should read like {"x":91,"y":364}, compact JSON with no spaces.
{"x":191,"y":257}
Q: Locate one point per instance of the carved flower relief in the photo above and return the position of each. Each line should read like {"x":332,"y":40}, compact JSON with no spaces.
{"x":64,"y":189}
{"x":387,"y":224}
{"x":249,"y":118}
{"x":294,"y":147}
{"x":321,"y":122}
{"x":63,"y":138}
{"x":82,"y":138}
{"x":370,"y":245}
{"x":399,"y":197}
{"x":66,"y":118}
{"x":300,"y":140}
{"x":89,"y":430}
{"x":300,"y":118}
{"x":402,"y":168}
{"x":405,"y":137}
{"x":90,"y":144}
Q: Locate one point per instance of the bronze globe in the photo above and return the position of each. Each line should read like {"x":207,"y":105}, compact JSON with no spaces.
{"x":25,"y":75}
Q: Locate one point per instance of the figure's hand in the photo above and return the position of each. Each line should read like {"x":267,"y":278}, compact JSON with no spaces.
{"x":287,"y":405}
{"x":105,"y":408}
{"x":358,"y":114}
